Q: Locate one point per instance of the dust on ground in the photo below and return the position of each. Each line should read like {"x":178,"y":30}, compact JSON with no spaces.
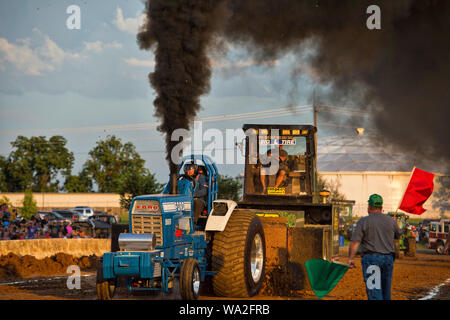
{"x":413,"y":278}
{"x":24,"y":278}
{"x":14,"y":266}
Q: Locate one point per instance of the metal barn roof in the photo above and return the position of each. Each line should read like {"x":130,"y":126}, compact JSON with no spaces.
{"x":358,"y":153}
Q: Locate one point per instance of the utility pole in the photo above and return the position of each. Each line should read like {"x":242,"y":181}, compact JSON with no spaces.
{"x":316,"y":173}
{"x":315,"y":115}
{"x":315,"y":122}
{"x":315,"y":109}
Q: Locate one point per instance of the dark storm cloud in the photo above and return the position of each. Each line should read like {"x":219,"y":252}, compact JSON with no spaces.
{"x":401,"y":71}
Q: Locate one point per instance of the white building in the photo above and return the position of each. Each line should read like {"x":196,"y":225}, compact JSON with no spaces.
{"x":360,"y":169}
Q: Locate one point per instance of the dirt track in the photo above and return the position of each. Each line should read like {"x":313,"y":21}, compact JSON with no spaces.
{"x":27,"y":278}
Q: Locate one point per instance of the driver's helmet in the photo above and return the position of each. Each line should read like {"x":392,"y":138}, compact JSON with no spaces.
{"x":190,"y":166}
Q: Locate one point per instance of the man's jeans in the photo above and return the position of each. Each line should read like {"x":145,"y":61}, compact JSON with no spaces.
{"x":377,"y":273}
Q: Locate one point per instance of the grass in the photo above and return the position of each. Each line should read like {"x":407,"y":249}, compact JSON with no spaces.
{"x":123,"y":218}
{"x":414,"y":221}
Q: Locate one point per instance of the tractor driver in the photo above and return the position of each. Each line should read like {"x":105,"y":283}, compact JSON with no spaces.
{"x":200,"y":186}
{"x":283,"y":169}
{"x":282,"y":173}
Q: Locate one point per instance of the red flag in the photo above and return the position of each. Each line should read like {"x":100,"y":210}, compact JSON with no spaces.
{"x":420,"y":188}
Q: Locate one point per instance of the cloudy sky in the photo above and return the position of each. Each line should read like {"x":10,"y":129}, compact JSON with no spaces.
{"x":89,"y":83}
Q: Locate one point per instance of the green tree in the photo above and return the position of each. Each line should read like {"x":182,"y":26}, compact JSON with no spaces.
{"x":78,"y":183}
{"x":229,"y":188}
{"x":109,"y":160}
{"x":333,"y":187}
{"x":3,"y":184}
{"x":133,"y":184}
{"x":36,"y":162}
{"x":6,"y":200}
{"x":29,"y":208}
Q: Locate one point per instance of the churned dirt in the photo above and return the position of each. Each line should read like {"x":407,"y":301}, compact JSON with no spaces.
{"x":14,"y":266}
{"x":28,"y":278}
{"x":413,"y":278}
{"x":24,"y":278}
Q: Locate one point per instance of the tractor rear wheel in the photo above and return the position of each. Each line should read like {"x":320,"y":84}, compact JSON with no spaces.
{"x":105,"y":287}
{"x":190,"y":279}
{"x":238,"y":256}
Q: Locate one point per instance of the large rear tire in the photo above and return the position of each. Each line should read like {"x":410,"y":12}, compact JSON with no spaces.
{"x":238,"y":256}
{"x":190,"y":279}
{"x":105,"y":288}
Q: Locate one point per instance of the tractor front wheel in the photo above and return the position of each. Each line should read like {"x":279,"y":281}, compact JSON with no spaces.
{"x":190,"y":279}
{"x":105,"y":287}
{"x":238,"y":256}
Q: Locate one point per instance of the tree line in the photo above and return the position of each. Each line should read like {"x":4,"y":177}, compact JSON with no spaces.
{"x":45,"y":165}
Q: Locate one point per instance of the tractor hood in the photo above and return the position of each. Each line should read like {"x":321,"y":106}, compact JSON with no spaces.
{"x":161,"y":203}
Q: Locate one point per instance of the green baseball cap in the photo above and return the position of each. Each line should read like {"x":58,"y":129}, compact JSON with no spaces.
{"x":375,"y":200}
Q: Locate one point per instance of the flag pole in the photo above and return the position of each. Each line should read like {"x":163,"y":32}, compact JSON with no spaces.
{"x":406,"y":187}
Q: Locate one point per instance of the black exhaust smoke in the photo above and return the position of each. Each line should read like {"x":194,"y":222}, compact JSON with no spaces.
{"x":401,"y":70}
{"x":180,"y":33}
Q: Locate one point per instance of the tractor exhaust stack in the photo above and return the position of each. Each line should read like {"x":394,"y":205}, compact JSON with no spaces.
{"x":173,"y":183}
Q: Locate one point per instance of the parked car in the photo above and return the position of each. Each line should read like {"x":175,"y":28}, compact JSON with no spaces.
{"x":85,"y":226}
{"x":102,"y":224}
{"x":85,"y":212}
{"x":56,"y":216}
{"x":43,"y":214}
{"x":97,"y":225}
{"x":424,"y":228}
{"x":67,"y":214}
{"x":438,"y":232}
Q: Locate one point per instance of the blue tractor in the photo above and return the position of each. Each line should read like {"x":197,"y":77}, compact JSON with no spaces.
{"x":176,"y":239}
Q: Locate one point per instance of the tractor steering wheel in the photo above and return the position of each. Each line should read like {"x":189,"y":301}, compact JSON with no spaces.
{"x":185,"y":176}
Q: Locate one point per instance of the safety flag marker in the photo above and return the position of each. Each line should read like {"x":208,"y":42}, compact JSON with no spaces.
{"x":324,"y":275}
{"x":419,"y":189}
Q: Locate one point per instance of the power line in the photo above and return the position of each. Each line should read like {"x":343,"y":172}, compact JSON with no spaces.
{"x":275,"y":112}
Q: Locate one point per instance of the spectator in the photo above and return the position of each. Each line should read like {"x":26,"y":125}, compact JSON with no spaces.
{"x":81,"y":234}
{"x":23,"y":229}
{"x":5,"y":211}
{"x":32,"y":229}
{"x":44,"y":221}
{"x":54,"y":230}
{"x":13,"y":215}
{"x":36,"y":228}
{"x":47,"y":234}
{"x":69,"y":230}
